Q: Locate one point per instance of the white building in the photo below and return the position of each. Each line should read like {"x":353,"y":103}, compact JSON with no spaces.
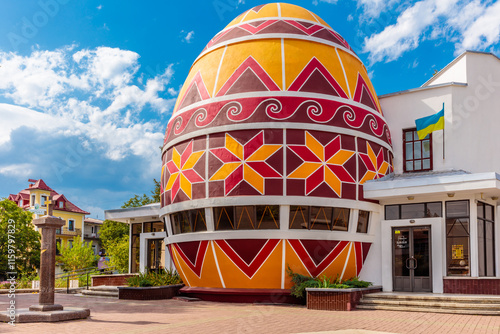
{"x":440,"y":205}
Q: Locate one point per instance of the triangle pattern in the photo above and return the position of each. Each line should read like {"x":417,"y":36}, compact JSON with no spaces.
{"x":258,"y":71}
{"x":318,"y":250}
{"x":366,"y":249}
{"x":255,"y":24}
{"x":254,"y":30}
{"x":326,"y":34}
{"x":247,"y":249}
{"x":317,"y":83}
{"x":306,"y":258}
{"x":247,"y":82}
{"x":305,"y":27}
{"x":363,"y":95}
{"x":193,"y":253}
{"x":249,"y":269}
{"x":325,"y":77}
{"x":196,"y":92}
{"x":305,"y":24}
{"x":258,"y":8}
{"x":283,"y":28}
{"x":358,"y":252}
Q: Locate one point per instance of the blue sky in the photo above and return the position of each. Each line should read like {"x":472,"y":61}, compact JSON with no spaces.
{"x":87,"y":87}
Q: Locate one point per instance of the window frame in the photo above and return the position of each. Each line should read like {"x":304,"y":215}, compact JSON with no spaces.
{"x":71,"y":225}
{"x":466,"y":216}
{"x":429,"y":136}
{"x":400,"y":211}
{"x":43,"y":200}
{"x":332,"y":223}
{"x":485,"y":220}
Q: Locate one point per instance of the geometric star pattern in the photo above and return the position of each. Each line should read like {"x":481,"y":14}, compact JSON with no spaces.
{"x":182,"y":174}
{"x":245,"y":162}
{"x":322,"y":164}
{"x":376,"y":165}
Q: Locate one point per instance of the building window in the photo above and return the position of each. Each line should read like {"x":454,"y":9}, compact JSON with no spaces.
{"x":188,"y":221}
{"x":33,"y":199}
{"x":94,"y":249}
{"x":21,"y":203}
{"x":70,"y":244}
{"x":153,"y":227}
{"x":417,"y":153}
{"x":135,"y":245}
{"x":413,"y":211}
{"x":485,"y":235}
{"x":43,"y":199}
{"x":61,"y":204}
{"x":58,"y":246}
{"x":363,"y":219}
{"x":457,"y":238}
{"x":259,"y":217}
{"x":319,"y":218}
{"x":71,"y":225}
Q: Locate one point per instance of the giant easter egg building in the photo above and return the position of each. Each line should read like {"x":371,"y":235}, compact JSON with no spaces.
{"x":273,"y":134}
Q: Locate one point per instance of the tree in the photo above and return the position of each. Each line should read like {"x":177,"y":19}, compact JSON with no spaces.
{"x":112,"y":231}
{"x":137,"y":200}
{"x":79,"y":256}
{"x":115,"y":240}
{"x":23,"y":237}
{"x":118,"y":254}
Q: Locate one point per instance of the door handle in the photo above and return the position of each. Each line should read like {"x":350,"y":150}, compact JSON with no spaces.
{"x":415,"y":262}
{"x":407,"y":260}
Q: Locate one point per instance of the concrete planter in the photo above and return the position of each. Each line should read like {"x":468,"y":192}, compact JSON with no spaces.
{"x":336,"y":299}
{"x":149,"y":293}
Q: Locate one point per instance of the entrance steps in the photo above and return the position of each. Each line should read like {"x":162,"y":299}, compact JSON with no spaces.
{"x":101,"y":291}
{"x":431,"y":302}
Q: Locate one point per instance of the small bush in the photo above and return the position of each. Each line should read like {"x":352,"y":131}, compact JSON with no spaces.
{"x":301,"y":282}
{"x":162,"y":278}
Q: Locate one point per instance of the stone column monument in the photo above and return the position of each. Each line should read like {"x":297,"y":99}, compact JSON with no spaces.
{"x":46,"y":310}
{"x":48,"y":225}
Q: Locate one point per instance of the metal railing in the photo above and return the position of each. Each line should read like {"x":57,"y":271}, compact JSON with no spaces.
{"x":65,"y":231}
{"x":83,"y":272}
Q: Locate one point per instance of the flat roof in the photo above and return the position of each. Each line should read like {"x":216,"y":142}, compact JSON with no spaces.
{"x":142,"y":213}
{"x":403,"y":185}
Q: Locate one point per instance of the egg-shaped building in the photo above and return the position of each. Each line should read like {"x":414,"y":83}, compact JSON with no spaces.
{"x":273,"y":134}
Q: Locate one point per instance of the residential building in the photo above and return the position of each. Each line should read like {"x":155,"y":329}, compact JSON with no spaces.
{"x":36,"y":196}
{"x":91,"y":232}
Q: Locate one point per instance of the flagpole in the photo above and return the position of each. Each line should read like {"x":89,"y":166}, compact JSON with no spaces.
{"x":443,"y":130}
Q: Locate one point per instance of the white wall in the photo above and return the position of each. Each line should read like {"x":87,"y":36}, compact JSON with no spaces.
{"x":472,"y":116}
{"x":457,"y":72}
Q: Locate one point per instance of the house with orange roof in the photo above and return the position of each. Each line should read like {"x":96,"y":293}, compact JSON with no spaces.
{"x":35,"y":198}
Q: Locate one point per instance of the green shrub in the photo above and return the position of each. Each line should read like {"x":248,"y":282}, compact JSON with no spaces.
{"x":162,"y":278}
{"x":301,"y":282}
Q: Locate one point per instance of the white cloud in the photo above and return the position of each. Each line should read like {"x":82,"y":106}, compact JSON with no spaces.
{"x":484,"y":31}
{"x":90,"y":93}
{"x":469,"y":24}
{"x":189,"y":36}
{"x":373,"y":8}
{"x":18,"y":171}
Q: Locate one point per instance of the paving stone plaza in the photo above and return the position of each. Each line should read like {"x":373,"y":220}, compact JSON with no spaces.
{"x":172,"y":316}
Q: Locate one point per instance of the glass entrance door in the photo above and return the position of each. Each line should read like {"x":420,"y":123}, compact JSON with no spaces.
{"x":412,"y":259}
{"x":156,"y":256}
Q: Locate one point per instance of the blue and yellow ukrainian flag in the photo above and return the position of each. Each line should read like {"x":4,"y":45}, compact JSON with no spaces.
{"x":426,"y":125}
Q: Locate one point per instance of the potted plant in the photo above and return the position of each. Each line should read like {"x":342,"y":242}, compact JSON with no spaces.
{"x":164,"y":284}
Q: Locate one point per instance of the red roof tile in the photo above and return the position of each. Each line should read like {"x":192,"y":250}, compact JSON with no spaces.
{"x":40,"y":184}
